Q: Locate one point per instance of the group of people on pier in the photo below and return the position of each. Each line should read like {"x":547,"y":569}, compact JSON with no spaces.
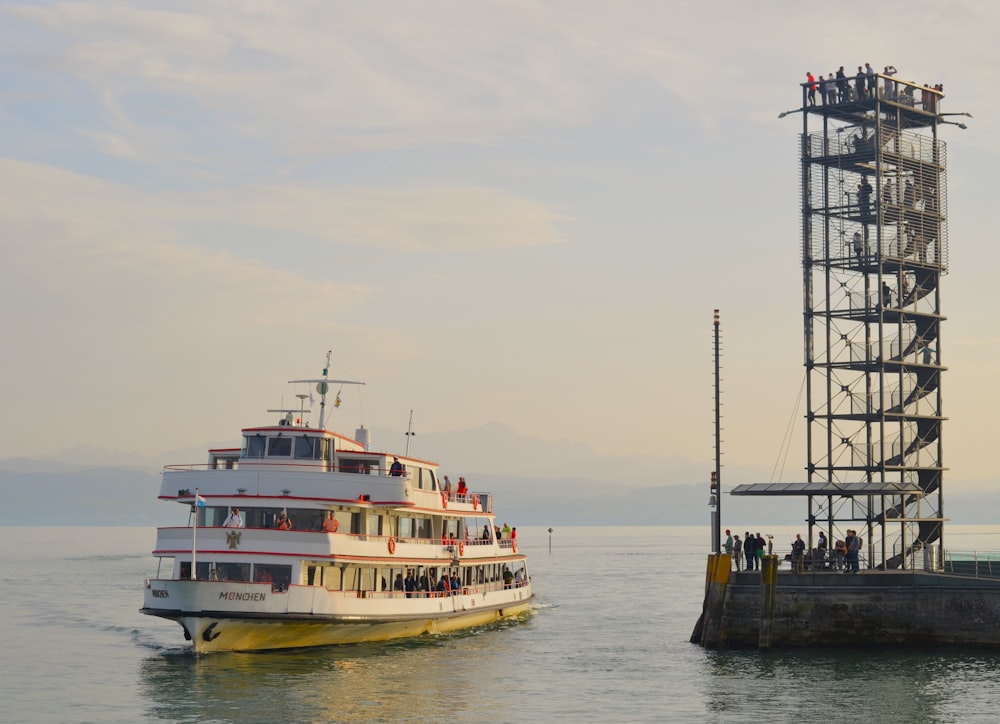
{"x":751,"y":548}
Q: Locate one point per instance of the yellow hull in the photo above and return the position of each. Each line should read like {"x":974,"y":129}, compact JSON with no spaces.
{"x":210,"y":634}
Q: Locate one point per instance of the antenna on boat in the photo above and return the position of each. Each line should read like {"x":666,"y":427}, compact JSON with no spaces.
{"x":409,"y":433}
{"x":323,"y":387}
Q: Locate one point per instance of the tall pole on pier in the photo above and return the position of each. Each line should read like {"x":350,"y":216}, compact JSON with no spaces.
{"x":715,"y":486}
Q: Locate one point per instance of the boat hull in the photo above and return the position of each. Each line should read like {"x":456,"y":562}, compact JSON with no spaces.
{"x":242,"y":628}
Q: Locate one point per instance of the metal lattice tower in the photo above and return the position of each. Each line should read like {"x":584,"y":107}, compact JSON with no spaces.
{"x":874,"y":250}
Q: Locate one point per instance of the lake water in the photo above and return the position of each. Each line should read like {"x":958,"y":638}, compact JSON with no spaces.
{"x":608,"y":642}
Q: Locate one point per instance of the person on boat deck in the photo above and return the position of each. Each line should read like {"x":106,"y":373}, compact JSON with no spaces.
{"x":456,"y":584}
{"x":505,"y":531}
{"x":513,"y":533}
{"x":462,"y":490}
{"x":447,"y":487}
{"x":410,"y":584}
{"x":331,"y":524}
{"x":235,"y":520}
{"x":283,"y":522}
{"x":508,"y":577}
{"x":397,"y":468}
{"x":443,"y":586}
{"x":486,"y":532}
{"x":519,"y":577}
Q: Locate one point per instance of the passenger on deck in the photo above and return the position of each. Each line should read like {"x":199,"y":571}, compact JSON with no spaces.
{"x":486,"y":532}
{"x":235,"y":520}
{"x":410,"y":584}
{"x":397,"y":584}
{"x":444,"y":585}
{"x":513,"y":533}
{"x":456,"y":584}
{"x":519,"y":577}
{"x":283,"y":522}
{"x":508,"y":577}
{"x":397,"y":468}
{"x":331,"y":524}
{"x":505,"y":531}
{"x":462,"y":489}
{"x":447,"y":487}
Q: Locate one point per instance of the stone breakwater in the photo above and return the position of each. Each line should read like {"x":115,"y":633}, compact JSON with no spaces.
{"x":786,"y":610}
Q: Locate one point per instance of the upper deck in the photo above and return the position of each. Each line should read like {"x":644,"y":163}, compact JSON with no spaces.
{"x":915,"y":105}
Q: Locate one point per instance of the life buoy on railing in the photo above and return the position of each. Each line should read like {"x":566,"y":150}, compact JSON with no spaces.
{"x":475,"y":502}
{"x":392,"y":545}
{"x":513,"y":546}
{"x":444,"y":500}
{"x":461,"y":548}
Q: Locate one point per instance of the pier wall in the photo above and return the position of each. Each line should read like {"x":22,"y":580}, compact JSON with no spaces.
{"x":830,"y":609}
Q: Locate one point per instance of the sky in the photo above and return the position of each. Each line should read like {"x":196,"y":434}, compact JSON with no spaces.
{"x":512,"y":212}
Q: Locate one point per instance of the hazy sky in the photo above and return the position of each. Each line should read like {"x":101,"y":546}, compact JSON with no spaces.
{"x":516,"y":212}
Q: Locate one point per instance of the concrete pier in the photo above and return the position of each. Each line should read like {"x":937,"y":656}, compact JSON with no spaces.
{"x":774,"y":609}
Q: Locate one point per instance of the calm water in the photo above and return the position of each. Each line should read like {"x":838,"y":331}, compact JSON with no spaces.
{"x":609,"y":642}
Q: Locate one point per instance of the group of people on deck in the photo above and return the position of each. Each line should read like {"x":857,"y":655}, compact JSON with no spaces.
{"x":460,"y":493}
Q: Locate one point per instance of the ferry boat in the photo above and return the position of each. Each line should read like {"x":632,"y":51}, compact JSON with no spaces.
{"x":307,"y":537}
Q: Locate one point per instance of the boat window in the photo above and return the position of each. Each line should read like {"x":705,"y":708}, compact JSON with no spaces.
{"x":253,"y":446}
{"x":280,"y":577}
{"x":406,"y":527}
{"x":214,"y":571}
{"x":279,"y":447}
{"x":374,"y":524}
{"x":423,"y":528}
{"x":306,"y":448}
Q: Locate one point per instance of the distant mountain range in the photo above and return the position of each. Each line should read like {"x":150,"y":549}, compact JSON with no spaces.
{"x":535,"y":482}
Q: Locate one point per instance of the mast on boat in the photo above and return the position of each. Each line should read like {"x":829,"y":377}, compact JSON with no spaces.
{"x":323,"y":387}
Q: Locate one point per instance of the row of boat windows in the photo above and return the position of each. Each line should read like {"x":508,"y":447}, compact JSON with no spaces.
{"x":303,"y":447}
{"x":351,"y":577}
{"x":356,"y":522}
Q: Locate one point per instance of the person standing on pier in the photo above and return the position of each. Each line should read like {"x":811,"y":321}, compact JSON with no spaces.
{"x":798,"y":554}
{"x":853,"y":548}
{"x":738,"y":552}
{"x":749,"y":549}
{"x":729,"y":542}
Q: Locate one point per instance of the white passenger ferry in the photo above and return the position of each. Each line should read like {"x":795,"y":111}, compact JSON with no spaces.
{"x":378,"y":548}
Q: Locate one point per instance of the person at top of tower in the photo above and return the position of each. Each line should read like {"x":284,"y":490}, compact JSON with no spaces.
{"x":811,"y":82}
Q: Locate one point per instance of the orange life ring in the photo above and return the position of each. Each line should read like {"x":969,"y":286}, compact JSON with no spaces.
{"x":444,"y":500}
{"x":392,"y":545}
{"x":513,"y":546}
{"x":475,"y":502}
{"x":461,"y":548}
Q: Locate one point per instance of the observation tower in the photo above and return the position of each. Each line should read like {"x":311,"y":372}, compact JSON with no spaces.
{"x":874,"y":243}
